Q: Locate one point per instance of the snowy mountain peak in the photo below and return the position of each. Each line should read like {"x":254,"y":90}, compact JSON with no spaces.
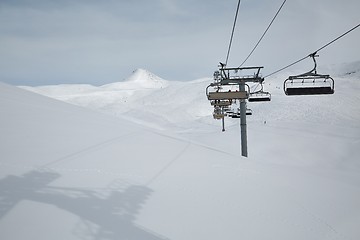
{"x":139,"y":79}
{"x":146,"y":79}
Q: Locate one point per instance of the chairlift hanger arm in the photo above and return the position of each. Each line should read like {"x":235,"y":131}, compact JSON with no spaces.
{"x":261,"y":89}
{"x":312,"y":73}
{"x":313,"y":55}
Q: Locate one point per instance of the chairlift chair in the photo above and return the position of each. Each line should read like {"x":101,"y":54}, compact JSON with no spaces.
{"x":219,"y":113}
{"x":260,"y":96}
{"x":229,"y":111}
{"x":310,"y":83}
{"x":228,"y":78}
{"x":221,"y":103}
{"x":219,"y":116}
{"x":235,"y":115}
{"x":226,"y":109}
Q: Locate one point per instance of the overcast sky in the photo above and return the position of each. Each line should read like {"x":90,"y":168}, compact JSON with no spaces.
{"x":98,"y":42}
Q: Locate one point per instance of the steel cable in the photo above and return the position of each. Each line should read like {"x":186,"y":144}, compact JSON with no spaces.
{"x":257,"y":44}
{"x":326,"y":45}
{"x":232,"y":32}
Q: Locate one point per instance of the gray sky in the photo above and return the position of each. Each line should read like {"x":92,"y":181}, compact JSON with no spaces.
{"x":98,"y":42}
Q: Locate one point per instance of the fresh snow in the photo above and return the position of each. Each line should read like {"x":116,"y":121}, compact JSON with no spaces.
{"x":143,"y":159}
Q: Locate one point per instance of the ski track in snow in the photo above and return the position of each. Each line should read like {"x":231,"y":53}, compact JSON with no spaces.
{"x":87,"y":150}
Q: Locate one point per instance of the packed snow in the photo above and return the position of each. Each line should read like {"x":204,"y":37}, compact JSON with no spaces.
{"x":144,"y":159}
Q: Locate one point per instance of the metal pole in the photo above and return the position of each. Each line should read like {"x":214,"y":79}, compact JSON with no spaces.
{"x":223,"y":120}
{"x":243,"y":122}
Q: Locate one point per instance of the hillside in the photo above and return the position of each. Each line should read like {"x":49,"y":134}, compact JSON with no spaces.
{"x":162,"y":169}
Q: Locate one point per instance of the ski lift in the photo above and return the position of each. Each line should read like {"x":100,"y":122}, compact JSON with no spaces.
{"x":248,"y":111}
{"x":225,"y":82}
{"x":309,"y":83}
{"x":218,"y":113}
{"x":219,"y":116}
{"x":259,"y":96}
{"x":221,"y":103}
{"x":229,"y":111}
{"x":235,"y":115}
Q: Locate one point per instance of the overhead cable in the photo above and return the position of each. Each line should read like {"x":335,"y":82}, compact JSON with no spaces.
{"x":232,"y":32}
{"x":256,"y":45}
{"x":342,"y":35}
{"x":313,"y":53}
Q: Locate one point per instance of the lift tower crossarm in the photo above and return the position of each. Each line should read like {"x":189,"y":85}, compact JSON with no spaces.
{"x":231,"y":75}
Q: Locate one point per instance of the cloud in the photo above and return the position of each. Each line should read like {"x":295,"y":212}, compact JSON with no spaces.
{"x":49,"y":42}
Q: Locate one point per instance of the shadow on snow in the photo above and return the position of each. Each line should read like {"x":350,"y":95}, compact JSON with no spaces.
{"x":109,"y":217}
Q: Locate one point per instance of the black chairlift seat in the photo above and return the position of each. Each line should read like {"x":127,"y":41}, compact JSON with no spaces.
{"x":309,"y":83}
{"x":259,"y":97}
{"x":309,"y":91}
{"x":235,"y":115}
{"x":248,"y":111}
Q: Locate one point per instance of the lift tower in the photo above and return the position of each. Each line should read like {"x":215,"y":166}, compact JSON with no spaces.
{"x":230,"y":85}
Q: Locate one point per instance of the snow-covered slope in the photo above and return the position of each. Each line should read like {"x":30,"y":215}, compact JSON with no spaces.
{"x":72,"y":173}
{"x":115,"y":98}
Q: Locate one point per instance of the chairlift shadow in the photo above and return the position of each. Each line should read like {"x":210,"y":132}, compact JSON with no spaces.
{"x":111,"y":217}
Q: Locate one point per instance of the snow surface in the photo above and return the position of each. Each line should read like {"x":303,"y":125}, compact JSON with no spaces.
{"x":157,"y":166}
